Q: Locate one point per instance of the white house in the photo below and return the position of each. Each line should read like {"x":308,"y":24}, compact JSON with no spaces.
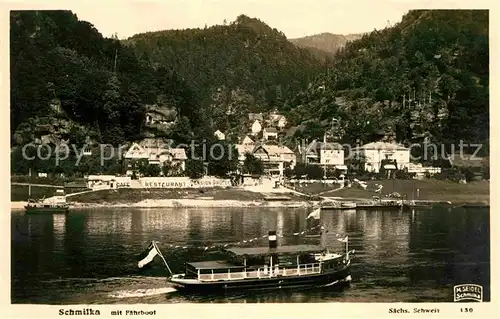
{"x":281,"y":123}
{"x":375,"y":152}
{"x":156,"y":152}
{"x":270,"y":133}
{"x":219,"y":135}
{"x":329,"y":155}
{"x":256,"y":127}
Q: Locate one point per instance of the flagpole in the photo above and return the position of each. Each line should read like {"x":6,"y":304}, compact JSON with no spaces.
{"x":347,"y":246}
{"x":164,"y":261}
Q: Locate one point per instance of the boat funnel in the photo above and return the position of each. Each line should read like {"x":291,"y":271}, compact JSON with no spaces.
{"x":273,"y":243}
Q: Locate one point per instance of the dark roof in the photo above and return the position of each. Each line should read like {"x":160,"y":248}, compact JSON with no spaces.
{"x":255,"y":117}
{"x":214,"y":264}
{"x":282,"y":250}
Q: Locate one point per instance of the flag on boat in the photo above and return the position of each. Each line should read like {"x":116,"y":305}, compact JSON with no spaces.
{"x":344,"y":240}
{"x":315,"y":214}
{"x":148,"y":255}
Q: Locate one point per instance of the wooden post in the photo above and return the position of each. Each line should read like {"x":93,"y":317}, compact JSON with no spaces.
{"x":298,"y":265}
{"x":29,"y":184}
{"x":271,"y":266}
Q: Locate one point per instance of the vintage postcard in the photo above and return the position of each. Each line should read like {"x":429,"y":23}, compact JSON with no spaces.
{"x":249,"y":159}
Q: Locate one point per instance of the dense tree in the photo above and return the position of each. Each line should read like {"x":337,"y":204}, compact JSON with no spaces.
{"x":195,"y":168}
{"x":426,"y":78}
{"x":252,"y":165}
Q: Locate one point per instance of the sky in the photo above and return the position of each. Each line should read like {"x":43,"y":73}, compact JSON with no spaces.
{"x":292,"y":17}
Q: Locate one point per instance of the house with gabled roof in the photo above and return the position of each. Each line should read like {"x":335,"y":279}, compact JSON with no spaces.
{"x":155,"y":152}
{"x":247,"y":141}
{"x":255,"y":117}
{"x":275,"y":158}
{"x":256,"y":127}
{"x":270,"y":133}
{"x":376,"y":152}
{"x":160,"y":115}
{"x":326,"y":154}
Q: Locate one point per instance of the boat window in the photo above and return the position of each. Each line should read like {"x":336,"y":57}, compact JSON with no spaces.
{"x":255,"y":261}
{"x":287,"y":260}
{"x":306,"y":259}
{"x":223,"y":270}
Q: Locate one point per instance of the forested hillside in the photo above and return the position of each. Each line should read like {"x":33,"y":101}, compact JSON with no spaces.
{"x":326,"y":44}
{"x":69,"y":82}
{"x":426,"y":78}
{"x":239,"y":67}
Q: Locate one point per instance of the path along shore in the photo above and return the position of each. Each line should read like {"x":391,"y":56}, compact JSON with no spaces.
{"x":250,"y":196}
{"x":200,"y":203}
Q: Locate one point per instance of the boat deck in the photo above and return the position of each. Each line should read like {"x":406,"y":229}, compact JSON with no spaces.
{"x":214,"y":264}
{"x":264,"y":272}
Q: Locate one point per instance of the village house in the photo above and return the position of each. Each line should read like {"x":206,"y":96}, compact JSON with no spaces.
{"x":219,"y":135}
{"x":374,"y":153}
{"x":252,"y":117}
{"x":256,"y":127}
{"x":276,"y":120}
{"x":158,"y":116}
{"x":246,"y":146}
{"x":247,"y":141}
{"x":275,"y":158}
{"x":281,"y":122}
{"x":243,"y":150}
{"x":327,"y":154}
{"x":270,"y":133}
{"x":156,"y":152}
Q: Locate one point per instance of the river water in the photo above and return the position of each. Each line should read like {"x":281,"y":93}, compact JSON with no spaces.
{"x":89,"y":256}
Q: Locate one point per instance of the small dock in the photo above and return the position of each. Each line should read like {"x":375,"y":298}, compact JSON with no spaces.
{"x":276,"y":198}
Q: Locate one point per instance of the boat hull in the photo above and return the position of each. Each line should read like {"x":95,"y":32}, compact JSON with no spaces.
{"x":46,"y":210}
{"x":254,"y":284}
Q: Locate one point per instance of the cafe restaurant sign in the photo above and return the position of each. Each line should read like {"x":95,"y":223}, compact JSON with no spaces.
{"x":182,"y":182}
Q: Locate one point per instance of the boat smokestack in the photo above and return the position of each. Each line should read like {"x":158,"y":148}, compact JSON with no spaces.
{"x":273,"y":243}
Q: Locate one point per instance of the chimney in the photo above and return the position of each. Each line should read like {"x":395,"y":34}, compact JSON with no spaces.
{"x":272,"y":239}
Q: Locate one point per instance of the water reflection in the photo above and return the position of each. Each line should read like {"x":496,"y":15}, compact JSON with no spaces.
{"x":397,"y":252}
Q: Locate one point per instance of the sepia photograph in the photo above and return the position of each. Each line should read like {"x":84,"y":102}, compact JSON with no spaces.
{"x":249,"y":152}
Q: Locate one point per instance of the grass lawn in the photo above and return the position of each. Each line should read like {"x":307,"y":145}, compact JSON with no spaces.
{"x":315,"y":188}
{"x":20,"y":192}
{"x":429,"y":190}
{"x":134,"y":195}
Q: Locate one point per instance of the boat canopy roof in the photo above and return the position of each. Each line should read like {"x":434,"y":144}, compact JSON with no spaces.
{"x":214,"y":264}
{"x":280,"y":250}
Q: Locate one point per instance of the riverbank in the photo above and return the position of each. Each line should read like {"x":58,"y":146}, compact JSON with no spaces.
{"x":424,"y":190}
{"x":431,"y":192}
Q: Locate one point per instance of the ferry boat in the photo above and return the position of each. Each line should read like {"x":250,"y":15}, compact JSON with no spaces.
{"x":339,"y":205}
{"x":263,"y":268}
{"x":54,"y":205}
{"x":43,"y":206}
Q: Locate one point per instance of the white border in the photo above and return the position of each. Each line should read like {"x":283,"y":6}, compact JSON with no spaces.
{"x":289,"y":310}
